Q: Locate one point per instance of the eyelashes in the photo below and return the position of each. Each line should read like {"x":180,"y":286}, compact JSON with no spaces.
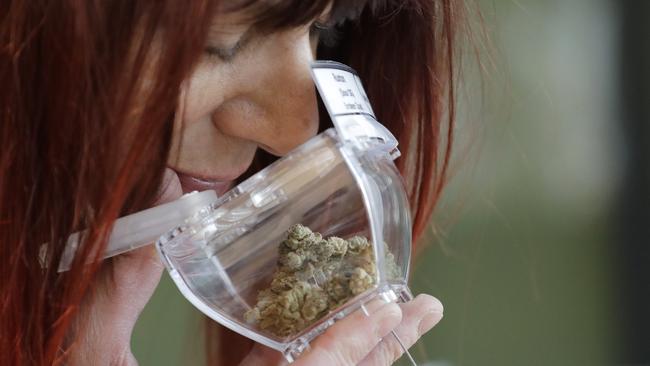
{"x":227,"y":54}
{"x":328,"y":35}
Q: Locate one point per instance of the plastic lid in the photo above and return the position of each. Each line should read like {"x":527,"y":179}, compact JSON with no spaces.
{"x":144,"y":227}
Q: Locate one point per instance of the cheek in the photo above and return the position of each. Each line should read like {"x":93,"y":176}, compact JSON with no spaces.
{"x":207,"y":88}
{"x":198,"y":145}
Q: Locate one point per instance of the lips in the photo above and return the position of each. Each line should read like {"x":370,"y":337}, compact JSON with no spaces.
{"x":220,"y":182}
{"x":191,"y":183}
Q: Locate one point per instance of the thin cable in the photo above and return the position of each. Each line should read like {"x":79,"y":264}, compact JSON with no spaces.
{"x":406,"y":351}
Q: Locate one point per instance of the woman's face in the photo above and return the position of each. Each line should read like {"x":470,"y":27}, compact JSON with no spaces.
{"x":249,"y":91}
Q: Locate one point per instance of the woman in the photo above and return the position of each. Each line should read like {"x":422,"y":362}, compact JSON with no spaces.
{"x":111,"y":107}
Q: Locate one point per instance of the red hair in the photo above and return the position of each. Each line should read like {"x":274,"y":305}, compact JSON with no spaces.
{"x":71,"y":72}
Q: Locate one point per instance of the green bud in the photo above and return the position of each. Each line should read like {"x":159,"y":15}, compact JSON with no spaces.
{"x":315,"y":303}
{"x":315,"y":276}
{"x":324,"y":250}
{"x":293,"y":243}
{"x":299,"y":232}
{"x":292,"y":261}
{"x":339,"y":246}
{"x":357,"y":244}
{"x":360,"y":281}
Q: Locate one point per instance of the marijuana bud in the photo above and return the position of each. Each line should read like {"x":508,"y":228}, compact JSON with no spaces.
{"x":323,"y":250}
{"x":282,"y":281}
{"x":292,"y":261}
{"x":338,"y":245}
{"x":299,"y":232}
{"x":360,"y":281}
{"x":315,"y":303}
{"x":314,"y":276}
{"x":252,"y":316}
{"x":356,"y":244}
{"x":293,"y":243}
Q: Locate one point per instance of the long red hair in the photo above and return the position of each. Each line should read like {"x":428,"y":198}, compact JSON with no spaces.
{"x":78,"y":151}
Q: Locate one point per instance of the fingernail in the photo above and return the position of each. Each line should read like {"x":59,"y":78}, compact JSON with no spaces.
{"x":429,"y":321}
{"x":388,"y":318}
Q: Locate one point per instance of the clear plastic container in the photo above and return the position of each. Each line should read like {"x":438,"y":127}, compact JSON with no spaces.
{"x":225,"y":258}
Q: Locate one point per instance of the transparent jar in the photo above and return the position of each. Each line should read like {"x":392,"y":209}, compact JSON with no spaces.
{"x":231,"y":259}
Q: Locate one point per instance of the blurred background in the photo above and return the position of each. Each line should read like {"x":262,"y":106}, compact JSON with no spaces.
{"x":540,"y":249}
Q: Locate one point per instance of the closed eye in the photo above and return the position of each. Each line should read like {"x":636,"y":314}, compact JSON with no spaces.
{"x":225,"y":54}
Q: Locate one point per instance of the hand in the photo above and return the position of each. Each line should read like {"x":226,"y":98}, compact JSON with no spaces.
{"x":362,"y":340}
{"x":106,"y":318}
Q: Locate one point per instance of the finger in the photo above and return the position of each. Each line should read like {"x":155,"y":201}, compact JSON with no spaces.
{"x":419,"y":316}
{"x":350,"y":340}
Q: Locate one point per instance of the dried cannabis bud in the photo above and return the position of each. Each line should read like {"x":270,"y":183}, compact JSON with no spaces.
{"x":314,"y":276}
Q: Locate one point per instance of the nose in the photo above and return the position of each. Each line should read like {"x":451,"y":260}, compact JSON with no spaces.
{"x":275,"y":105}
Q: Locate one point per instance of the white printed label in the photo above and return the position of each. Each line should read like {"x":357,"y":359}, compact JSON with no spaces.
{"x":342,"y":92}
